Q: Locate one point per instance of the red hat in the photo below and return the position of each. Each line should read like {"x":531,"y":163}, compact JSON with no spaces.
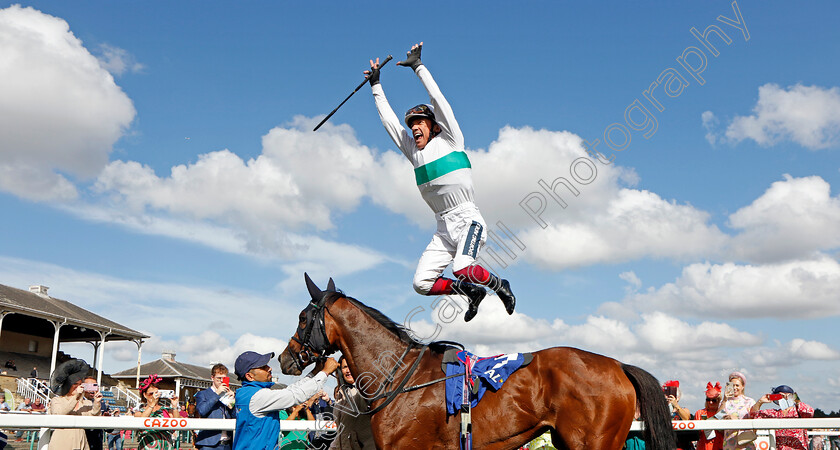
{"x":713,"y":391}
{"x":672,"y":383}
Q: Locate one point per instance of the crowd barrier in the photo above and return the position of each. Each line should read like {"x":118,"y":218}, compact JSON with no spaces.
{"x":765,"y":439}
{"x":15,"y":421}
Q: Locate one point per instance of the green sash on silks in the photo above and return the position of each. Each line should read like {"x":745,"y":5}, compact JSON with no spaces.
{"x":441,"y":166}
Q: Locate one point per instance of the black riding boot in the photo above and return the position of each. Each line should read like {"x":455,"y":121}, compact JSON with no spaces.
{"x":474,"y":293}
{"x":502,"y":288}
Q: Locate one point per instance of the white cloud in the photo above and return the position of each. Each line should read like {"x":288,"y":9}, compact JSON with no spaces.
{"x":62,"y":111}
{"x":807,"y":115}
{"x":36,"y":183}
{"x":812,"y":350}
{"x":732,"y":291}
{"x":657,"y":334}
{"x":296,"y":183}
{"x":209,"y":347}
{"x":633,"y":224}
{"x":793,"y":218}
{"x":710,"y":122}
{"x":664,"y":333}
{"x":633,"y":281}
{"x":794,"y":352}
{"x":118,"y":61}
{"x":515,"y":163}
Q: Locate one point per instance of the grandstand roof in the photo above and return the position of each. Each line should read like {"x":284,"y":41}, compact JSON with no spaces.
{"x":166,"y":369}
{"x":28,"y":307}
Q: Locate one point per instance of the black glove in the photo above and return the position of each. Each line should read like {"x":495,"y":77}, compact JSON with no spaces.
{"x":372,"y":76}
{"x":412,"y":57}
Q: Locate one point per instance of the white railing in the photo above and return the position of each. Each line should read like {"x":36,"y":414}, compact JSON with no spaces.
{"x":15,"y":421}
{"x":132,"y":400}
{"x":33,"y":388}
{"x":134,"y":423}
{"x":23,"y":421}
{"x":750,"y":424}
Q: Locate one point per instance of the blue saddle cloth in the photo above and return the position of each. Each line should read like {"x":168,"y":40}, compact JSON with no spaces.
{"x":486,"y":372}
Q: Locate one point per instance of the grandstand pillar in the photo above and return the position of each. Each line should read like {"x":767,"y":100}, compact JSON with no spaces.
{"x":57,"y":326}
{"x":139,"y":343}
{"x":2,"y":316}
{"x":99,"y":355}
{"x":178,"y":387}
{"x":95,"y":346}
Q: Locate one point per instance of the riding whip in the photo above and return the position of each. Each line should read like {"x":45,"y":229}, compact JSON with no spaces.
{"x":351,"y":94}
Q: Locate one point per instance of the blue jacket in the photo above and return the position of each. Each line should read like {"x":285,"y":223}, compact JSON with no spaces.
{"x":257,"y":433}
{"x":207,"y":405}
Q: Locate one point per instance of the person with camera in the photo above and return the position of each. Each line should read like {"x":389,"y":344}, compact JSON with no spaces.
{"x":685,"y":439}
{"x":710,"y":439}
{"x":91,"y":389}
{"x":789,"y":407}
{"x":215,"y":402}
{"x":66,"y":382}
{"x":736,"y":405}
{"x":155,"y":405}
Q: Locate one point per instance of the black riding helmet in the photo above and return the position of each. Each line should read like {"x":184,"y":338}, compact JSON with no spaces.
{"x":421,"y":110}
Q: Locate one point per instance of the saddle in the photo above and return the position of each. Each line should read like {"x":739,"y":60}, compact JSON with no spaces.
{"x":490,"y":372}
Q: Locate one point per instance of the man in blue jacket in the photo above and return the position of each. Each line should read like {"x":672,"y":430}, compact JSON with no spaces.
{"x":257,"y":405}
{"x":215,"y":402}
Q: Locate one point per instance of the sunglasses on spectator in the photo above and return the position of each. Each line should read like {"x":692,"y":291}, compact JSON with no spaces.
{"x":713,"y":400}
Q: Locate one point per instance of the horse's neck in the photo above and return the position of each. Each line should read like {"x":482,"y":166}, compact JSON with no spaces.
{"x":374,"y":350}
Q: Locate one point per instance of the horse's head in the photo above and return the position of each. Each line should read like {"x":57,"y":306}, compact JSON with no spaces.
{"x":310,"y":342}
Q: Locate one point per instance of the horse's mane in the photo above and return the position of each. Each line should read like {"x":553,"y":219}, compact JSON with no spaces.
{"x":395,"y":328}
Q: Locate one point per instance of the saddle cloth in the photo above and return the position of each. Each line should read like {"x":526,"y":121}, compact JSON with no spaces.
{"x":487,"y":372}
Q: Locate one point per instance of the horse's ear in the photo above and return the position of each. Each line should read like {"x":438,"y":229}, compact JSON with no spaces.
{"x":314,"y":291}
{"x":331,"y":285}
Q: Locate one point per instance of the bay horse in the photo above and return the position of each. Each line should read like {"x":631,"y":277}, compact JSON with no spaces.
{"x":587,"y":401}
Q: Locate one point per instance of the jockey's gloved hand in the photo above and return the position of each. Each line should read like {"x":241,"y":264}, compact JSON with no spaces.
{"x":412,"y":57}
{"x":373,"y":75}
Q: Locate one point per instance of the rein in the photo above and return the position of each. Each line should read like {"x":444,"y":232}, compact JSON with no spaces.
{"x":390,"y":396}
{"x":400,"y":389}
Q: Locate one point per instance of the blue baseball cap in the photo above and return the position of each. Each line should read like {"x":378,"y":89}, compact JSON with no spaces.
{"x":783,"y":389}
{"x":249,"y":360}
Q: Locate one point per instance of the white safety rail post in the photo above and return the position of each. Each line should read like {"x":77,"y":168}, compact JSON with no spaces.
{"x":762,"y":427}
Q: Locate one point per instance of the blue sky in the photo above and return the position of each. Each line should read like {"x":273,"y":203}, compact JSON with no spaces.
{"x":157,"y":166}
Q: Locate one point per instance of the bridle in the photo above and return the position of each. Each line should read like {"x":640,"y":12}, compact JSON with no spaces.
{"x":314,"y":343}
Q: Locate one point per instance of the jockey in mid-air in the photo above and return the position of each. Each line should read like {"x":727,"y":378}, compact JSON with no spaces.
{"x":435,"y":147}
